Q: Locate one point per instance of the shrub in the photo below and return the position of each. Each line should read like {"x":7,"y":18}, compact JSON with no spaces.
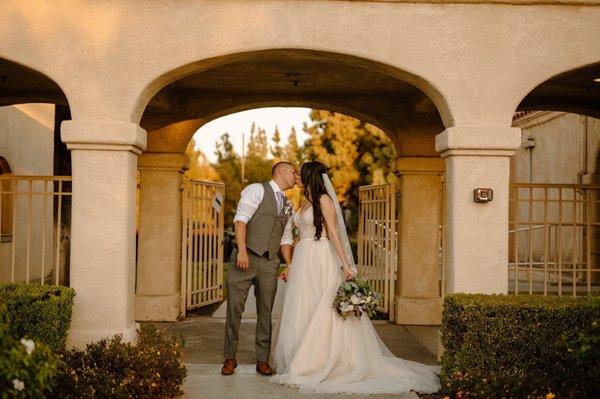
{"x":39,"y":312}
{"x":27,"y":368}
{"x":520,"y":346}
{"x":112,"y":368}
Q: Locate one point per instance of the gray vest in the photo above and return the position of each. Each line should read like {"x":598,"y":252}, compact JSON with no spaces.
{"x":265,"y":229}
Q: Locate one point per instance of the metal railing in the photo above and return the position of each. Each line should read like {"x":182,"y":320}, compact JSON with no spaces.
{"x":35,"y":224}
{"x":202,"y":244}
{"x":378,"y":241}
{"x":554,"y":239}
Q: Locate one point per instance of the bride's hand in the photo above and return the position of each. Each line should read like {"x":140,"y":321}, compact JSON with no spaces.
{"x":284,"y":274}
{"x":348,"y":273}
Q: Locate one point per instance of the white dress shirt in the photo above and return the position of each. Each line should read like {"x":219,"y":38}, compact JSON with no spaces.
{"x":250,"y":199}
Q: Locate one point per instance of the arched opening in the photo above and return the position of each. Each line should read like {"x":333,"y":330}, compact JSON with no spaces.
{"x":35,"y":192}
{"x":285,"y":78}
{"x":555,"y":184}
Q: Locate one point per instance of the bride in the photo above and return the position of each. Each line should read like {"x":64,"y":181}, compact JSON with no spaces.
{"x":315,"y":349}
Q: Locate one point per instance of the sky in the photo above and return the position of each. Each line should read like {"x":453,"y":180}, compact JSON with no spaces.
{"x":238,"y":123}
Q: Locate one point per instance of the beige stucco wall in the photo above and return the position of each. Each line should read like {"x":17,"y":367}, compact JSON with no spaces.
{"x":559,"y":154}
{"x":27,"y":143}
{"x":437,"y":47}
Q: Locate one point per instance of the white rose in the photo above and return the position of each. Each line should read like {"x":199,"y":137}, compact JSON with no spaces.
{"x":349,"y":308}
{"x":18,"y":384}
{"x":355,"y":299}
{"x":28,"y":344}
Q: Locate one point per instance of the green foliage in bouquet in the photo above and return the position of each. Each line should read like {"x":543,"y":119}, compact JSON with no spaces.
{"x":355,"y":298}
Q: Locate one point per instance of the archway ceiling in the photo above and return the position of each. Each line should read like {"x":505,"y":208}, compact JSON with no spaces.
{"x":20,"y":85}
{"x":376,"y":98}
{"x":575,"y":91}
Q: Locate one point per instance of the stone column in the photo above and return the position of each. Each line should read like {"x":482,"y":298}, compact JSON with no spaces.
{"x":476,"y":234}
{"x":158,"y":286}
{"x":104,"y":163}
{"x":419,"y":217}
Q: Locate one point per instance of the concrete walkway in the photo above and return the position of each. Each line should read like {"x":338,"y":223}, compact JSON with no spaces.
{"x":203,"y":336}
{"x":203,"y":356}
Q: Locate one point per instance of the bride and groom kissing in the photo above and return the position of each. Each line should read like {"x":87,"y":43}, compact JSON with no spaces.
{"x":314,"y":348}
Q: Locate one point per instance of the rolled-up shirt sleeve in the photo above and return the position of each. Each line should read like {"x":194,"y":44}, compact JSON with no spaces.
{"x":288,"y":237}
{"x":250,"y":199}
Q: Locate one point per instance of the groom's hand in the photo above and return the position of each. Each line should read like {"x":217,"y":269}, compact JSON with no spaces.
{"x":242,"y":260}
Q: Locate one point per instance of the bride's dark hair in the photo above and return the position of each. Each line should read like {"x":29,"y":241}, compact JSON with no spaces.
{"x":311,"y":175}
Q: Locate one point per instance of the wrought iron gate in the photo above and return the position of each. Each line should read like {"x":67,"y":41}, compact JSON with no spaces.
{"x":203,"y":220}
{"x":378,"y":241}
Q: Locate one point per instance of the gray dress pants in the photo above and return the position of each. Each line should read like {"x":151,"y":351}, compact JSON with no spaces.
{"x":262,"y":273}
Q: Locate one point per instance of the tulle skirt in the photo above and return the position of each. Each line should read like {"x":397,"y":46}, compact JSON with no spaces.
{"x":318,"y":352}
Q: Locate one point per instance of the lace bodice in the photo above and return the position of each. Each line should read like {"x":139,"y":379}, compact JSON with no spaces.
{"x":305,"y":225}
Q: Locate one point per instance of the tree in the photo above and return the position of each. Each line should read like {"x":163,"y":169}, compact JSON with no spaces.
{"x":229,"y":168}
{"x":257,"y":144}
{"x":200,"y":168}
{"x":356,"y":153}
{"x":293,"y":152}
{"x":276,"y":149}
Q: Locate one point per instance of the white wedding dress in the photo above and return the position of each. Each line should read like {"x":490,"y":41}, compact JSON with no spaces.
{"x":318,"y":352}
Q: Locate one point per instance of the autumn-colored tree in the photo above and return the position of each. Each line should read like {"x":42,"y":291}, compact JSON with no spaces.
{"x":200,"y":168}
{"x":257,"y":144}
{"x":293,"y":152}
{"x":276,"y":149}
{"x":356,"y":153}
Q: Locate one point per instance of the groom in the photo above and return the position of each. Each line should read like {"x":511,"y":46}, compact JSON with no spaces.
{"x":263,"y":223}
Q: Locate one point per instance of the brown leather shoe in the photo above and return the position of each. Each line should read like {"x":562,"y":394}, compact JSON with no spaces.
{"x":229,"y":366}
{"x":263,"y":368}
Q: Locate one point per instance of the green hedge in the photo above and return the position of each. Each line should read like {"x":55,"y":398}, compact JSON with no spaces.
{"x":39,"y":312}
{"x":509,"y":346}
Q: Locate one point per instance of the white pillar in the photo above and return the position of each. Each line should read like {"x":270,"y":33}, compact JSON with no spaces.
{"x":476,"y":236}
{"x":104,"y":163}
{"x":158,"y":287}
{"x":419,"y":216}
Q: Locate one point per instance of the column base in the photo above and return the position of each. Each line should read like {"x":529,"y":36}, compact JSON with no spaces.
{"x":419,"y":312}
{"x":80,"y":338}
{"x":157,"y":307}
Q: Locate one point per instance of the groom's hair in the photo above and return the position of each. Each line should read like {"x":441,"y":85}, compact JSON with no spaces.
{"x":280,"y":165}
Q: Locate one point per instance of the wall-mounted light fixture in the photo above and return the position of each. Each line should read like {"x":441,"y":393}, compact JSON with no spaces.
{"x":483,"y":194}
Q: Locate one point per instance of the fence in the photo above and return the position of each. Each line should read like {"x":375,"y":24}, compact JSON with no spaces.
{"x":378,"y":241}
{"x":202,"y":243}
{"x":35,"y":225}
{"x":554,"y":239}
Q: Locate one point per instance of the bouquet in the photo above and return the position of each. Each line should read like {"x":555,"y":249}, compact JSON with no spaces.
{"x":355,"y":298}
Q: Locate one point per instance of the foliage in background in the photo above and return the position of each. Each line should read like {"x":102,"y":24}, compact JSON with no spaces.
{"x":509,"y":346}
{"x":200,"y":167}
{"x":357,"y":154}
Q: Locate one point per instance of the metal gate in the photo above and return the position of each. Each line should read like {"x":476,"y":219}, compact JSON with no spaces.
{"x":378,"y":241}
{"x":203,"y":219}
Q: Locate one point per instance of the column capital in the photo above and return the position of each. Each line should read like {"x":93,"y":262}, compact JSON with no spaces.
{"x":163,"y":161}
{"x":478,"y":140}
{"x":415,"y":165}
{"x":103,"y":134}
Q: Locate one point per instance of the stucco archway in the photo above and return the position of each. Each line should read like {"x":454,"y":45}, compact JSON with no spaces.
{"x":357,"y":87}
